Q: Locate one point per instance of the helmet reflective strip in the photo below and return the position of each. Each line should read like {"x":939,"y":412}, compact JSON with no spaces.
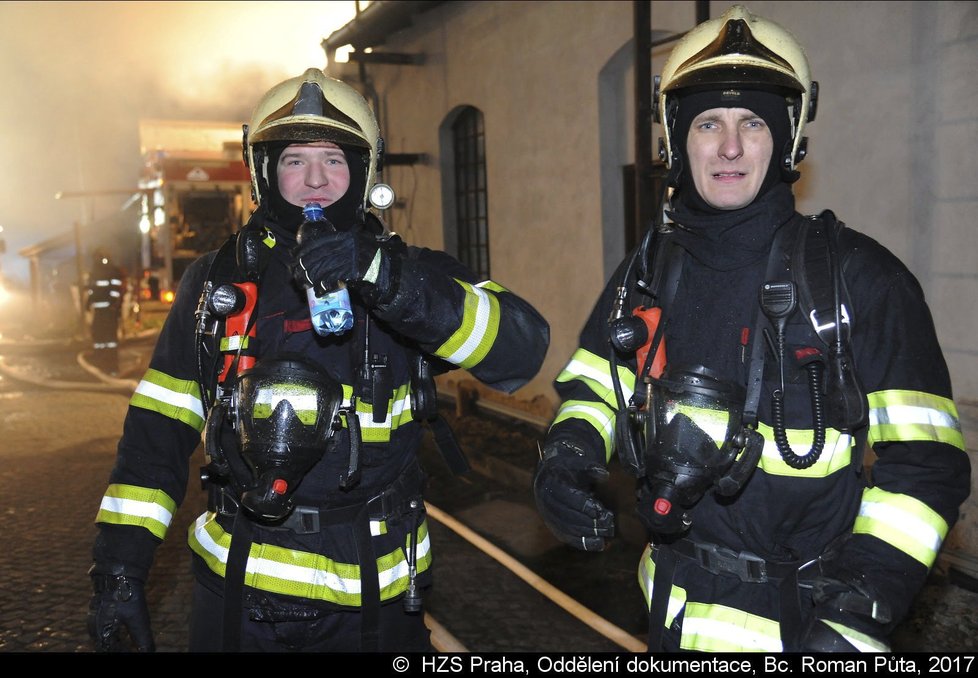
{"x":309,"y":575}
{"x":138,"y":506}
{"x":595,"y":372}
{"x":480,"y":323}
{"x":597,"y":415}
{"x":899,"y":415}
{"x":903,"y":522}
{"x":175,"y":398}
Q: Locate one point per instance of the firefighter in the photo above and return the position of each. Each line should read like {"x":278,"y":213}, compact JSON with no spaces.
{"x":751,"y":354}
{"x":104,"y":295}
{"x":316,"y":537}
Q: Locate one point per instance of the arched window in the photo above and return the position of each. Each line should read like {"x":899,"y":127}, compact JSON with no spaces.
{"x":471,"y":200}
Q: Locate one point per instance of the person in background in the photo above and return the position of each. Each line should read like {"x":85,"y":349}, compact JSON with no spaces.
{"x":103,"y":300}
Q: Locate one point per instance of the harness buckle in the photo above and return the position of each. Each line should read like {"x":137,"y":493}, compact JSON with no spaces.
{"x":745,"y":566}
{"x":302,"y":520}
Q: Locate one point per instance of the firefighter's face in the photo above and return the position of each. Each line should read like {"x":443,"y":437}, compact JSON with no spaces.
{"x":316,"y":172}
{"x":729,"y":153}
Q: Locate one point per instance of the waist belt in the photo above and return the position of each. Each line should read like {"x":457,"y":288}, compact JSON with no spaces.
{"x":744,"y":565}
{"x":402,"y":496}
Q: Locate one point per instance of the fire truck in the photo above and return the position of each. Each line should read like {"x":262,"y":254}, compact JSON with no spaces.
{"x":195,"y":191}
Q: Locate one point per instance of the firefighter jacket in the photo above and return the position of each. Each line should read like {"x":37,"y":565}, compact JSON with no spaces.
{"x":106,"y":286}
{"x":897,"y":513}
{"x":440,"y":309}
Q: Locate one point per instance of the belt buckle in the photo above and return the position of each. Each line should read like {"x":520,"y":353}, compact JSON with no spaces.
{"x":745,"y":566}
{"x":303,"y":520}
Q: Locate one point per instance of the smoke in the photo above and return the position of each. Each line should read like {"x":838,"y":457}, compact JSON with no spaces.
{"x":78,"y":76}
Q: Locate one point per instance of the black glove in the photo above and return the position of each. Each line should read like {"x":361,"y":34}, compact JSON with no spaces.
{"x":324,"y":258}
{"x":119,"y":602}
{"x":849,"y":616}
{"x":564,"y":486}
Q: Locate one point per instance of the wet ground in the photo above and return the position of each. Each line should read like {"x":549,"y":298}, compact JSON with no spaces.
{"x":944,"y":617}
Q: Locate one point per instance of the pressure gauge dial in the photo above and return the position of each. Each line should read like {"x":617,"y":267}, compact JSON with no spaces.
{"x":381,"y":196}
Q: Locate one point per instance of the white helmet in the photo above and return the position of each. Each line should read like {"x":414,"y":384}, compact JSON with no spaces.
{"x":739,"y":50}
{"x":311,"y":107}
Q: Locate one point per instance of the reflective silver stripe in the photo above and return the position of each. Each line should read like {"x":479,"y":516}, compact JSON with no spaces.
{"x":596,"y":373}
{"x":135,"y":508}
{"x":903,"y":522}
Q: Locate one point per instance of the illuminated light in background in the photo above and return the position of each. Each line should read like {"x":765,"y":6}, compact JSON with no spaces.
{"x":167,"y":60}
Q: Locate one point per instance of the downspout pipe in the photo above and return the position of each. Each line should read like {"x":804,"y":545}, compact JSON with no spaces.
{"x":375,"y":23}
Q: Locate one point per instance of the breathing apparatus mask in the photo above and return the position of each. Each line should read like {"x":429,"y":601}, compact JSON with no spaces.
{"x":284,"y":412}
{"x":694,"y":441}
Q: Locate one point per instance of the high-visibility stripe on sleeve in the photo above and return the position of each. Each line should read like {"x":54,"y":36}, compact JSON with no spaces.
{"x":598,"y":415}
{"x":480,"y":324}
{"x":899,"y":415}
{"x":903,"y":522}
{"x":595,"y":373}
{"x":139,"y":506}
{"x":175,"y":398}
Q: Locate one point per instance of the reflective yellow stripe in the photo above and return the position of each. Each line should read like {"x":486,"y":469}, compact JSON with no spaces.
{"x":714,"y":423}
{"x":595,"y":373}
{"x":303,"y":574}
{"x":480,"y":323}
{"x":903,"y":522}
{"x":174,"y":398}
{"x":646,"y":576}
{"x":398,"y":414}
{"x":860,"y":641}
{"x":597,"y":415}
{"x":898,"y":415}
{"x":138,"y":506}
{"x":234,"y":342}
{"x":711,"y":628}
{"x":836,"y":454}
{"x":303,"y":399}
{"x":718,"y":628}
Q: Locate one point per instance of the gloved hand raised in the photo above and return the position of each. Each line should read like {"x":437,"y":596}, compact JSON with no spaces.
{"x":119,"y":603}
{"x":324,"y":258}
{"x":564,"y":487}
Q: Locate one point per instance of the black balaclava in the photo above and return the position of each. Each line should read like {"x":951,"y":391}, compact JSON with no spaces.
{"x":343,"y":214}
{"x":726,"y":240}
{"x":772,"y":108}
